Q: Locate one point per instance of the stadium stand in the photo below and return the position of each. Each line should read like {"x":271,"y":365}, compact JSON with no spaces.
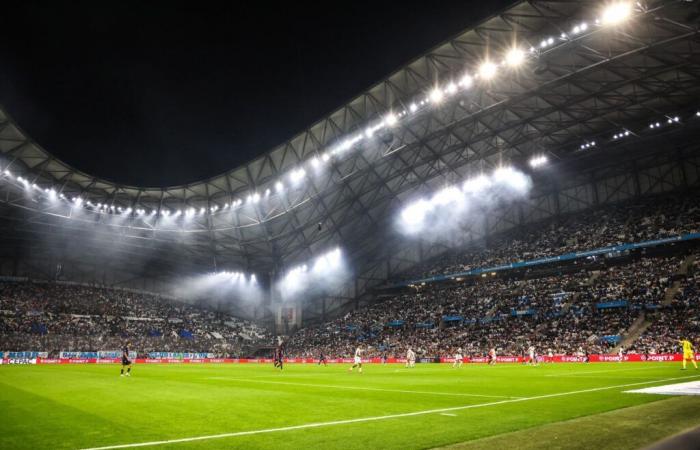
{"x":635,"y":221}
{"x":56,"y":317}
{"x":577,"y":307}
{"x":585,"y":307}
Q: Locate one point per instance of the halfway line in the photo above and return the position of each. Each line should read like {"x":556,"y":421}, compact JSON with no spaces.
{"x":377,"y":418}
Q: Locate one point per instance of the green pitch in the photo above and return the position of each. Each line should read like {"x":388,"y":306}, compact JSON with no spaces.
{"x":307,"y":406}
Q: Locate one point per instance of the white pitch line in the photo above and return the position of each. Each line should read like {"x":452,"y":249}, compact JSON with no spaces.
{"x":376,"y":418}
{"x":448,"y":414}
{"x":360,"y":388}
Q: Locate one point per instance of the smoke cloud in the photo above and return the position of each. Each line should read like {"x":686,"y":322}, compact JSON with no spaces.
{"x":325,"y":274}
{"x":455,"y":207}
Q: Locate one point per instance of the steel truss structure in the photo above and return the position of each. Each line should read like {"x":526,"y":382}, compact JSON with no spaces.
{"x":583,"y":88}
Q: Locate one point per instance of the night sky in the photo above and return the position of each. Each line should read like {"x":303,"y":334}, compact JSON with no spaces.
{"x":164,"y":93}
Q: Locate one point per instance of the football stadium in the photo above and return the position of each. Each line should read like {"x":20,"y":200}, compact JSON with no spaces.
{"x":497,"y":245}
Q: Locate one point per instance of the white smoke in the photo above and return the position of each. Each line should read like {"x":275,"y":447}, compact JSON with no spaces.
{"x":454,"y":207}
{"x":325,"y":274}
{"x":221,"y":287}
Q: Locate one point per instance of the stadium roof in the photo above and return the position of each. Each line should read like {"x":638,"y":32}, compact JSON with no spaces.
{"x":583,"y":76}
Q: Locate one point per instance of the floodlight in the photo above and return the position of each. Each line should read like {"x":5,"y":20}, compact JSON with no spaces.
{"x":466,"y":81}
{"x":538,"y":161}
{"x":488,"y":70}
{"x":515,"y":57}
{"x":297,"y":175}
{"x":390,"y":119}
{"x":616,"y":13}
{"x":436,"y":95}
{"x":344,"y":146}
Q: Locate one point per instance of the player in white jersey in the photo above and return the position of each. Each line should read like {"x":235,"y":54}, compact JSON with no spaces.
{"x":620,"y":355}
{"x":410,"y":358}
{"x":358,"y":360}
{"x":458,"y":359}
{"x":492,"y":356}
{"x":533,"y":358}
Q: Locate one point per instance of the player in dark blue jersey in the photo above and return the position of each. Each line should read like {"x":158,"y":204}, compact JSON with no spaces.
{"x":125,"y":360}
{"x":279,"y":356}
{"x":322,"y":359}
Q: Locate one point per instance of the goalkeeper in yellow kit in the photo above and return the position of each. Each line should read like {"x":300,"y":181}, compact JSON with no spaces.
{"x":688,"y":354}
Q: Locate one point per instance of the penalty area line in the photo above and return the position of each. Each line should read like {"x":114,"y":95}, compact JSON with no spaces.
{"x":377,"y":418}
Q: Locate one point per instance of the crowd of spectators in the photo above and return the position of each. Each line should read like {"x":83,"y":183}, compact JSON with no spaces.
{"x":678,"y":320}
{"x":635,"y":221}
{"x":587,"y":309}
{"x":580,"y":306}
{"x":56,"y":317}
